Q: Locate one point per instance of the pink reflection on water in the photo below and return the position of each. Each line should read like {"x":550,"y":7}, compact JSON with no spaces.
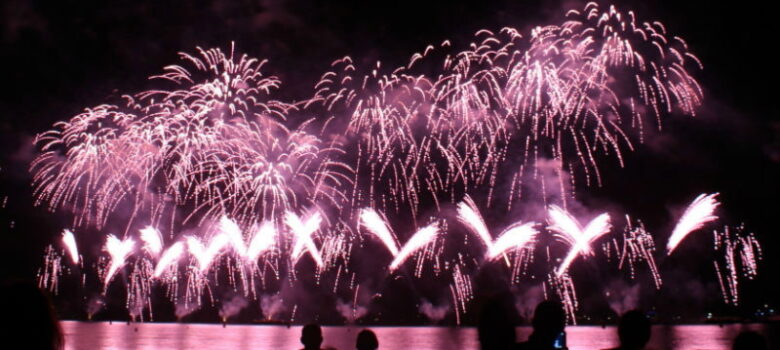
{"x":143,"y":336}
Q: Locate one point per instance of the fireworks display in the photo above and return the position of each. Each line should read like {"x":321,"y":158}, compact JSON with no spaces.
{"x":216,"y":185}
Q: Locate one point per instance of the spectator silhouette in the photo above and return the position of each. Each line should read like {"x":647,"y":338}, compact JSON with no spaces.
{"x":633,"y":331}
{"x":549,"y":321}
{"x":366,"y":340}
{"x":496,"y":329}
{"x":311,"y":337}
{"x":33,"y":323}
{"x":749,"y":340}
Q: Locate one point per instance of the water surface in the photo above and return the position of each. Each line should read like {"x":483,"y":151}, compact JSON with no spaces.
{"x":143,"y":336}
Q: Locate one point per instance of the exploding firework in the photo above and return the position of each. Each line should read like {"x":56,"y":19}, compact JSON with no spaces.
{"x":562,"y":92}
{"x":225,"y":186}
{"x":217,"y":146}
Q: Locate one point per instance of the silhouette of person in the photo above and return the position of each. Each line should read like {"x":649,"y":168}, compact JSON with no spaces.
{"x":633,"y":331}
{"x":496,"y":329}
{"x":33,"y":323}
{"x":548,"y":323}
{"x":749,"y":340}
{"x":311,"y":337}
{"x":366,"y":340}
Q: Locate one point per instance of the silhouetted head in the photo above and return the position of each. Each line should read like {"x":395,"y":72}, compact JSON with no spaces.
{"x":33,"y":324}
{"x":496,"y":328}
{"x":366,"y":340}
{"x":634,"y":330}
{"x":749,"y":340}
{"x":311,"y":336}
{"x":549,"y":320}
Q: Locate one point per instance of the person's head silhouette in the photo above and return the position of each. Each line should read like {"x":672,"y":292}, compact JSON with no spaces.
{"x":548,"y":323}
{"x":749,"y":340}
{"x":633,"y":330}
{"x":31,"y":312}
{"x":496,"y":328}
{"x":366,"y":340}
{"x":311,"y":336}
{"x":549,"y":319}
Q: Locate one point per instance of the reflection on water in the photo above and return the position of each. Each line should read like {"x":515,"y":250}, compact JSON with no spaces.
{"x":102,"y":335}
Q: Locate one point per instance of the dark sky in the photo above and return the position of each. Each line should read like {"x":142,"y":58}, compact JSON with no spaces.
{"x":59,"y":57}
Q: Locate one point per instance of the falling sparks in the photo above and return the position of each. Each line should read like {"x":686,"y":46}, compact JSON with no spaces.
{"x":740,"y":255}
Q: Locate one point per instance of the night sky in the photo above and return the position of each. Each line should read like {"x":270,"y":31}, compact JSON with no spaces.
{"x":59,"y":57}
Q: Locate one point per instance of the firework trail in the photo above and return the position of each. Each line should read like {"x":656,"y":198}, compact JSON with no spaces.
{"x":698,"y":213}
{"x":374,"y":223}
{"x":152,"y":240}
{"x":303,"y":231}
{"x":469,"y":215}
{"x":231,"y":230}
{"x":169,"y":258}
{"x":118,"y":252}
{"x":517,"y":235}
{"x":420,"y":239}
{"x":263,"y":240}
{"x":371,"y":220}
{"x":569,"y":231}
{"x":70,"y":245}
{"x":205,"y":255}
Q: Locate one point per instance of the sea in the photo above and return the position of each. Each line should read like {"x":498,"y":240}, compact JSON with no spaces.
{"x":142,"y":336}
